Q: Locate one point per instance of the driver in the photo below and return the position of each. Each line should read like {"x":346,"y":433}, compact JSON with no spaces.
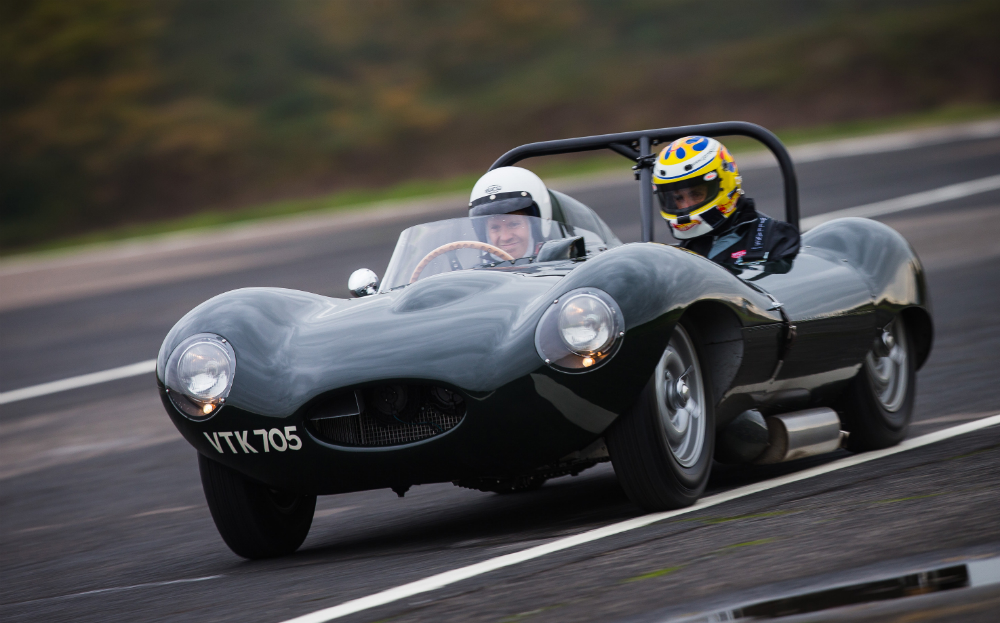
{"x":508,"y":195}
{"x":696,"y":181}
{"x":510,"y":232}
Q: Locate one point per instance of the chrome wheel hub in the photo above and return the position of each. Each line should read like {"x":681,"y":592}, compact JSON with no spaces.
{"x":680,"y":399}
{"x":887,"y":367}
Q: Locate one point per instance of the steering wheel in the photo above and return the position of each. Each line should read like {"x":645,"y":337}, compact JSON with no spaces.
{"x":458,"y":244}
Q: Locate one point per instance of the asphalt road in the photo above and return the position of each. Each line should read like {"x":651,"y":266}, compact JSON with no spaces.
{"x":102,"y":515}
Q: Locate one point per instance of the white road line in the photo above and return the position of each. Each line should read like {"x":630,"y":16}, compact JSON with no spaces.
{"x":124,"y":372}
{"x":875,"y":144}
{"x":908,"y":202}
{"x":880,"y":208}
{"x":457,"y":575}
{"x":894,"y":141}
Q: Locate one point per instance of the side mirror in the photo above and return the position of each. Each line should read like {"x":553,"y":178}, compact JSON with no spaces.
{"x":564,"y":249}
{"x":363,"y":282}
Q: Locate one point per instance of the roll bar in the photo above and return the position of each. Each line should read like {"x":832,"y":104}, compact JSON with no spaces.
{"x":636,"y":147}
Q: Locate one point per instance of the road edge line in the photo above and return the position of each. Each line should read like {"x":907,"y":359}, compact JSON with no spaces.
{"x":456,"y":575}
{"x":908,"y":202}
{"x":74,"y":382}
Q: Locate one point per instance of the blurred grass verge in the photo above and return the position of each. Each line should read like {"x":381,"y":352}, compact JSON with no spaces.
{"x":570,"y":169}
{"x":121,"y":119}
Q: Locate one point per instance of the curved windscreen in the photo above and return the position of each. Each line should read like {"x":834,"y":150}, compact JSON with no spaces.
{"x":473,"y":242}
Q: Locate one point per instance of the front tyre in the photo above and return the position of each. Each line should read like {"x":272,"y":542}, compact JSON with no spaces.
{"x":254,"y":521}
{"x":662,"y":447}
{"x":877,"y":406}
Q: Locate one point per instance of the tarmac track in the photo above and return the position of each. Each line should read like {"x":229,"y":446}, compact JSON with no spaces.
{"x":102,"y":515}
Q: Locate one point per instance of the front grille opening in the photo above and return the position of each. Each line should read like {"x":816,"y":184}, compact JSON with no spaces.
{"x":386,"y":415}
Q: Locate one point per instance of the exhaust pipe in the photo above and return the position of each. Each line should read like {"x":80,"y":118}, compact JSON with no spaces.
{"x":800,"y":434}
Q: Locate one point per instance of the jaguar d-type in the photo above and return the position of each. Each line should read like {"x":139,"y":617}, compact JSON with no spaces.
{"x":465,"y":365}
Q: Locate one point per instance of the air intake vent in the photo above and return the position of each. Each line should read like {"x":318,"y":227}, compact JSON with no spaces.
{"x":386,"y":415}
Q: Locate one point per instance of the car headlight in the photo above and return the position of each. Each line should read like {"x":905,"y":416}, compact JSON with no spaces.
{"x":586,"y":324}
{"x":199,"y":375}
{"x":580,"y":331}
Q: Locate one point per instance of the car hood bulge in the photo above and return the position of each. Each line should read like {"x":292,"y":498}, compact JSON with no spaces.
{"x":473,"y":330}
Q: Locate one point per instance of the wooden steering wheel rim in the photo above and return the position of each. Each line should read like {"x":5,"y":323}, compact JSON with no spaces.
{"x":458,"y":244}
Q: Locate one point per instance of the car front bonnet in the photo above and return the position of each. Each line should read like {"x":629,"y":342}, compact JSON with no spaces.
{"x":473,"y":330}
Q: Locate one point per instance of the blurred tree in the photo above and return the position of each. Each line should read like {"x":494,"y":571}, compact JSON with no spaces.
{"x":115,"y":111}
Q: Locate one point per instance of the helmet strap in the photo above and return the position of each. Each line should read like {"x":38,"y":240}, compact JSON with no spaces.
{"x":712,"y":217}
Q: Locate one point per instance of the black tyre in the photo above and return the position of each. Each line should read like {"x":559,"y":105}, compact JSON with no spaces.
{"x":662,"y":447}
{"x":877,"y":406}
{"x":254,"y":521}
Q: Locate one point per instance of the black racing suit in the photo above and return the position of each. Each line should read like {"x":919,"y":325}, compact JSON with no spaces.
{"x":747,"y":236}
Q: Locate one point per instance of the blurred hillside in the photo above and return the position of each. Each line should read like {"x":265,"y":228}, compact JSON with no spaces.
{"x":116,"y":111}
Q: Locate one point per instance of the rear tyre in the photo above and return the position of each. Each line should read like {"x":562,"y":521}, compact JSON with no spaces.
{"x":662,"y":447}
{"x":877,"y":406}
{"x":254,"y":521}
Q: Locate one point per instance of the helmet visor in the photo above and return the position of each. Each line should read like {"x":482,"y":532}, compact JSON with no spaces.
{"x":686,"y":196}
{"x":505,"y":203}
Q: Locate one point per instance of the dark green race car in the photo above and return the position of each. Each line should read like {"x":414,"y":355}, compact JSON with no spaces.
{"x":462,"y":366}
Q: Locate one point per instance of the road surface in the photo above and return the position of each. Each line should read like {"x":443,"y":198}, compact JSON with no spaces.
{"x":102,"y":517}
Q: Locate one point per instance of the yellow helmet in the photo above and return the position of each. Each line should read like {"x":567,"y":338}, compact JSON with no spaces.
{"x":698,"y":185}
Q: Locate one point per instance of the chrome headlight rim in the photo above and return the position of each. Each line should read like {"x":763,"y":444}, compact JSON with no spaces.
{"x":552,"y":347}
{"x":192,"y":405}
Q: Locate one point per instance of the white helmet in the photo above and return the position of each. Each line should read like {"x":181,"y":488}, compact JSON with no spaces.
{"x":510,"y":189}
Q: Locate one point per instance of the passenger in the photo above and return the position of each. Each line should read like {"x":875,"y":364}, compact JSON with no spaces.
{"x":696,"y":181}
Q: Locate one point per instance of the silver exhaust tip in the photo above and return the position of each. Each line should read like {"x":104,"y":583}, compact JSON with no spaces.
{"x":800,"y":434}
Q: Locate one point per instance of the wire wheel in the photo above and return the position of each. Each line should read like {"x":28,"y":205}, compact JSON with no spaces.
{"x":680,"y":399}
{"x":888,"y":370}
